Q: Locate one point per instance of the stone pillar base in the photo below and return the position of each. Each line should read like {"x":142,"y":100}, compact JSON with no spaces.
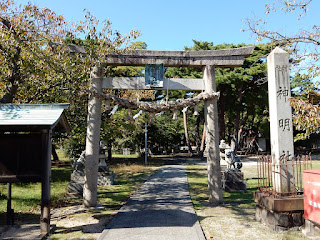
{"x":279,"y":214}
{"x":279,"y":221}
{"x":75,"y":187}
{"x":232,"y":181}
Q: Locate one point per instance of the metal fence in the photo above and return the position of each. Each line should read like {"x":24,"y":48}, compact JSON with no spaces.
{"x":289,"y":169}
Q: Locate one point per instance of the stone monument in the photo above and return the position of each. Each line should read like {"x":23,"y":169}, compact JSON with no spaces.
{"x":281,"y":131}
{"x":280,"y":208}
{"x":105,"y":176}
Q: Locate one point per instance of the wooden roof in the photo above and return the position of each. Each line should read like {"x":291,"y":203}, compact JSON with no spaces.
{"x":29,"y":117}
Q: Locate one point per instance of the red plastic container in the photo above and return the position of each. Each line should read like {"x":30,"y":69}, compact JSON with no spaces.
{"x":311,"y":193}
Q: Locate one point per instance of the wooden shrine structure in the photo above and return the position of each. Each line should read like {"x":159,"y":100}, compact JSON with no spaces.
{"x":25,"y":144}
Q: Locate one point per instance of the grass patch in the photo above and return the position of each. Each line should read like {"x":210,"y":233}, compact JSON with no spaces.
{"x":198,"y":186}
{"x":26,"y":197}
{"x":118,"y":155}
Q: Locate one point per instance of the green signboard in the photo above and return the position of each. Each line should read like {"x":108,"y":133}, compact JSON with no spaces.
{"x":154,"y":74}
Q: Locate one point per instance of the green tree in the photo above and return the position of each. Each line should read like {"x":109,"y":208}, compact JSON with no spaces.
{"x":243,"y":93}
{"x":165,"y":134}
{"x":193,"y":126}
{"x":25,"y":52}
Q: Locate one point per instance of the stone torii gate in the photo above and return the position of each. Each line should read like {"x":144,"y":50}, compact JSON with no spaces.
{"x":206,"y":59}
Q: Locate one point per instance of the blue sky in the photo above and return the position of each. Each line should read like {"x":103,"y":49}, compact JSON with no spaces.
{"x":172,"y":25}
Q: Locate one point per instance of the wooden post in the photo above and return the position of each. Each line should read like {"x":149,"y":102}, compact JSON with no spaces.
{"x":10,"y":213}
{"x":46,"y":179}
{"x":212,"y":139}
{"x":92,"y":140}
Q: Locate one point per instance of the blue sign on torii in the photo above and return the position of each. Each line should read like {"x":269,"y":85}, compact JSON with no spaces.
{"x":154,"y":74}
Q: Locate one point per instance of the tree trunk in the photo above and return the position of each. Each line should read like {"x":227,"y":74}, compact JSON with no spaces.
{"x":221,"y":112}
{"x":197,"y":134}
{"x":203,"y":141}
{"x":109,"y":152}
{"x":235,"y":140}
{"x":241,"y":129}
{"x":54,"y":153}
{"x":10,"y":92}
{"x":186,"y":133}
{"x":13,"y":79}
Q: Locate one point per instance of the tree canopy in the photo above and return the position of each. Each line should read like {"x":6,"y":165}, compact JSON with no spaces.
{"x":243,"y":101}
{"x":45,"y":61}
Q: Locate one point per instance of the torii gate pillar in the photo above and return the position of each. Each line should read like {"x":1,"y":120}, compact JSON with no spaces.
{"x":212,"y":138}
{"x":92,"y":140}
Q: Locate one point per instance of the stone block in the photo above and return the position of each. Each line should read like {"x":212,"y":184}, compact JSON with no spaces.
{"x":77,"y":176}
{"x":105,"y":178}
{"x":258,"y":214}
{"x":232,"y":181}
{"x":230,"y":186}
{"x":75,"y":189}
{"x":270,"y":219}
{"x":232,"y":176}
{"x":297,"y":219}
{"x":283,"y":219}
{"x":279,"y":221}
{"x":264,"y":214}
